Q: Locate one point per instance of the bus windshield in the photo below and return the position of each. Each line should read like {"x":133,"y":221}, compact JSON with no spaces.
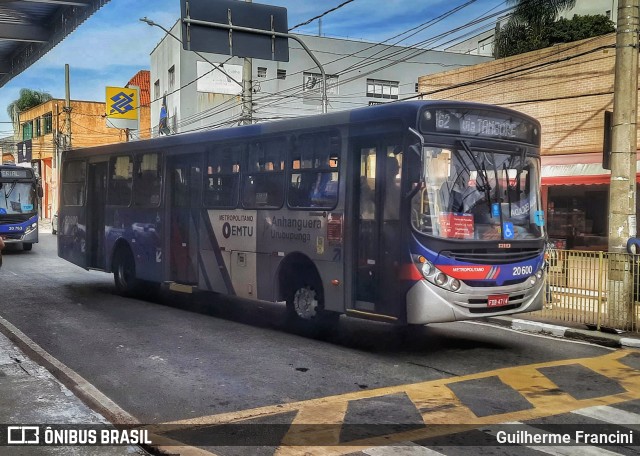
{"x":17,"y":197}
{"x":481,"y":195}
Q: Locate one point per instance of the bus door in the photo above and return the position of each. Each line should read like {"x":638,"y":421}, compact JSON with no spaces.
{"x":377,"y":225}
{"x":96,"y":202}
{"x":185,"y":199}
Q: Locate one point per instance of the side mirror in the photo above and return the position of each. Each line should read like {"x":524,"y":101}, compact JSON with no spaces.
{"x":39,"y":191}
{"x":414,"y":168}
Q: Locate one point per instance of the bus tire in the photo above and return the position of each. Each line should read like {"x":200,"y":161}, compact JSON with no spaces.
{"x":124,"y":273}
{"x":306,"y":304}
{"x":27,"y":246}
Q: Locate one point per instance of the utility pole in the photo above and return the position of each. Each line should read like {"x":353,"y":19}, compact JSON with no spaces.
{"x":622,"y":193}
{"x":247,"y":94}
{"x":67,"y":106}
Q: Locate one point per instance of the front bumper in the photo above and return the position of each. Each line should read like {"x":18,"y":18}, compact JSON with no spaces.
{"x":427,"y":303}
{"x":29,"y":236}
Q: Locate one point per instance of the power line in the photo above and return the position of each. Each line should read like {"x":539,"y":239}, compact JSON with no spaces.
{"x":320,"y":15}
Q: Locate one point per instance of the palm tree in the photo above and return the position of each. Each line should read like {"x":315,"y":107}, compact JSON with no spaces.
{"x":28,"y":99}
{"x":524,"y":31}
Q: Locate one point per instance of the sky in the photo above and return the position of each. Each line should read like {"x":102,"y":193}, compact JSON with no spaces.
{"x":113,"y":44}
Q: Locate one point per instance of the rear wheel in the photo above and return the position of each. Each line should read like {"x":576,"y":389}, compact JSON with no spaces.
{"x":27,"y":246}
{"x":124,"y":273}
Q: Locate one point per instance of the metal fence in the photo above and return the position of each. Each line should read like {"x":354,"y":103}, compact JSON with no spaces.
{"x":598,"y":289}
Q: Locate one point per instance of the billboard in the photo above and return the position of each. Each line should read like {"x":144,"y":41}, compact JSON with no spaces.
{"x":215,"y":81}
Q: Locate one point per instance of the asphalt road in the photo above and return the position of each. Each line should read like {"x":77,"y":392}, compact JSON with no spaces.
{"x":184,"y":358}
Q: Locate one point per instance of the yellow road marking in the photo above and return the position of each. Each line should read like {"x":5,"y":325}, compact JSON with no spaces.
{"x":437,"y":405}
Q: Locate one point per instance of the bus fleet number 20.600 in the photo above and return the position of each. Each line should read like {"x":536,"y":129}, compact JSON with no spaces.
{"x":522,"y":270}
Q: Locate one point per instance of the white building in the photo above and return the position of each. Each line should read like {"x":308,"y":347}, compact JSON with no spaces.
{"x":358,"y":74}
{"x":482,"y":43}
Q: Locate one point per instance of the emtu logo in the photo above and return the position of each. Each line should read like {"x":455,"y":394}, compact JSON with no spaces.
{"x":121,"y":103}
{"x":23,"y":435}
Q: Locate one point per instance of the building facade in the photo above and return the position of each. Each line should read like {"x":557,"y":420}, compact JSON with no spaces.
{"x":567,"y":88}
{"x":195,"y":96}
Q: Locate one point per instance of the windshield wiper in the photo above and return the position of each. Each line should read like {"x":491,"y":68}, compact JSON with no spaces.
{"x":506,"y":176}
{"x":482,"y":172}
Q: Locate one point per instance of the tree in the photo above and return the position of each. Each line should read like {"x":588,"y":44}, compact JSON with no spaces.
{"x":578,"y":28}
{"x":525,"y":29}
{"x":28,"y":99}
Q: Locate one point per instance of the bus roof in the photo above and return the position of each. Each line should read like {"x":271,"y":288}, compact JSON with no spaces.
{"x":406,"y":111}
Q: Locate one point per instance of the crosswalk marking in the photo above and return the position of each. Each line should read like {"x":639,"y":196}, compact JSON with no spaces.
{"x":611,"y":415}
{"x":318,"y":422}
{"x":402,"y":449}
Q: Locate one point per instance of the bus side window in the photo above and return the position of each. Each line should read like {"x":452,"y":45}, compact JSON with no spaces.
{"x":120,"y":181}
{"x":314,"y":171}
{"x":74,"y":178}
{"x":263,"y":185}
{"x":222,"y":177}
{"x":148,"y":180}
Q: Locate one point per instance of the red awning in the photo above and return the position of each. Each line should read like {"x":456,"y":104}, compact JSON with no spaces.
{"x":575,"y":169}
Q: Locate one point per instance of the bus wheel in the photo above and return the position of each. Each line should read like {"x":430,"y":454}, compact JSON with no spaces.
{"x":124,"y":273}
{"x":27,"y":246}
{"x":304,"y":303}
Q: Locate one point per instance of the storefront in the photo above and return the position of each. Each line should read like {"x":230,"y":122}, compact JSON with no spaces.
{"x":575,"y":191}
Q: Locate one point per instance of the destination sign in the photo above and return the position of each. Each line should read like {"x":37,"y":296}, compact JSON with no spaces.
{"x":15,"y":173}
{"x":478,"y":123}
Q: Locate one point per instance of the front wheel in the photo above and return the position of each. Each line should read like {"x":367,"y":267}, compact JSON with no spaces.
{"x":306,"y":304}
{"x":27,"y":246}
{"x":124,"y":273}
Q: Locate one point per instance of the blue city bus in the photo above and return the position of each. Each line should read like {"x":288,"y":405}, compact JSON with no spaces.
{"x":413,"y":213}
{"x":19,"y":195}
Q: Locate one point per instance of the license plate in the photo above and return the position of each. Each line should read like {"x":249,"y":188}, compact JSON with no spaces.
{"x":498,"y":300}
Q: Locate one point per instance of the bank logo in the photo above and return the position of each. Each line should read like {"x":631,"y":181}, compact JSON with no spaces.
{"x":23,"y":435}
{"x":122,"y":103}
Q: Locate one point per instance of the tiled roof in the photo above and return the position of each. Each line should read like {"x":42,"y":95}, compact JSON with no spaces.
{"x":142,"y":79}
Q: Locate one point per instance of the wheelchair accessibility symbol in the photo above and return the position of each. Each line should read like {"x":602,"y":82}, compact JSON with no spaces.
{"x":507,"y":230}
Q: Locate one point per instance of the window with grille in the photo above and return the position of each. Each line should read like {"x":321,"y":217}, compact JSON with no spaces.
{"x":172,"y":77}
{"x":262,"y":72}
{"x":378,"y":88}
{"x":47,"y":123}
{"x":27,"y":130}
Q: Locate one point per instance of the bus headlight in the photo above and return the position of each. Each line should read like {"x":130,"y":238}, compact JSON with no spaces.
{"x":455,"y":285}
{"x":441,"y":278}
{"x":427,"y":268}
{"x":539,"y":274}
{"x":533,"y":279}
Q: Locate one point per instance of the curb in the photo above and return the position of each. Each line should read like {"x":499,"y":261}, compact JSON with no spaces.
{"x":90,"y":395}
{"x":585,"y":335}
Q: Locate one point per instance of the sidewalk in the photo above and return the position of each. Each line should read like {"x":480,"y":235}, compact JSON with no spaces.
{"x":528,"y":323}
{"x":30,"y":395}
